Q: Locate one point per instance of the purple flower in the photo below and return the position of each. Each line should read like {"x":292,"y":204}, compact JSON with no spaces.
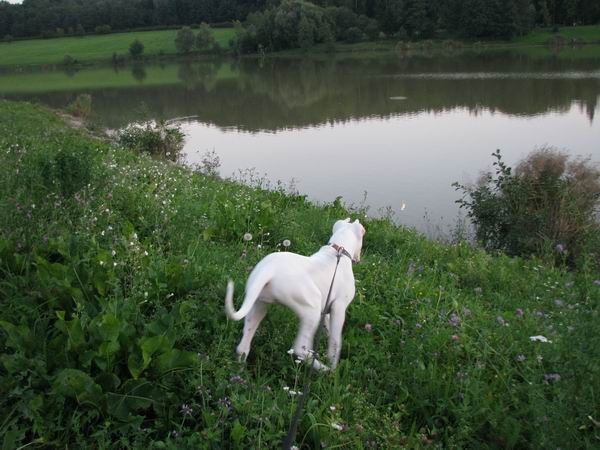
{"x":519,"y":312}
{"x":559,"y":302}
{"x":539,"y":314}
{"x":418,"y":326}
{"x":560,"y":248}
{"x":454,"y":320}
{"x":520,"y":358}
{"x":226,"y":403}
{"x":551,"y":377}
{"x":236,"y":379}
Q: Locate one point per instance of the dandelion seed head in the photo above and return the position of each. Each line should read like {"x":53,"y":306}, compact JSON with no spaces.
{"x":247,"y":237}
{"x":286,"y":243}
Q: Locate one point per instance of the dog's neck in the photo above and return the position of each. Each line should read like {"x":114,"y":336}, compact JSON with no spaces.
{"x":344,"y":241}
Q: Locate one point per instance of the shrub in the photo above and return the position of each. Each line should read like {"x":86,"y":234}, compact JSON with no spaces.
{"x":205,"y":38}
{"x":353,"y":35}
{"x":184,"y":40}
{"x":155,"y":138}
{"x":103,"y":29}
{"x":68,"y":60}
{"x":136,"y":49}
{"x":81,"y":106}
{"x":548,"y":202}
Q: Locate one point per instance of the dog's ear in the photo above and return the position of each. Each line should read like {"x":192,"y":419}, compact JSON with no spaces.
{"x":339,"y":223}
{"x":359,"y":228}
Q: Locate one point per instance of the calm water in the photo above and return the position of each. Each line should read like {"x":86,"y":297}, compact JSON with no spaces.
{"x":399,"y":128}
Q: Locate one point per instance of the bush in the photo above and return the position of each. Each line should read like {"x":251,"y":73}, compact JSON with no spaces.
{"x":353,"y":35}
{"x":155,"y":138}
{"x":68,"y":60}
{"x":103,"y":29}
{"x":81,"y":106}
{"x":548,"y":202}
{"x":205,"y":39}
{"x":136,"y":49}
{"x":184,"y":40}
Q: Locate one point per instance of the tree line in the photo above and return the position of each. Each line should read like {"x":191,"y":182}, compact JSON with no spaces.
{"x":405,"y":19}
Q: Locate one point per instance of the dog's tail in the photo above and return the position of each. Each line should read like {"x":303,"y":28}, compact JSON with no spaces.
{"x":252,"y":292}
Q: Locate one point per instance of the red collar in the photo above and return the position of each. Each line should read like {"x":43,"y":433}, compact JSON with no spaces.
{"x":342,"y":251}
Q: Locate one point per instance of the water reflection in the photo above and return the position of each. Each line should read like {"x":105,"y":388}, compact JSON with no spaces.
{"x":402,"y":129}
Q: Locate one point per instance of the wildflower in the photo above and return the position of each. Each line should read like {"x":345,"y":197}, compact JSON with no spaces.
{"x":175,"y":434}
{"x":596,"y":283}
{"x":114,"y":253}
{"x":539,"y":358}
{"x":454,"y":320}
{"x":247,"y":237}
{"x":259,"y":246}
{"x":368,"y":327}
{"x":500,"y":320}
{"x":520,"y":358}
{"x":145,"y":294}
{"x":332,"y":408}
{"x":520,"y":312}
{"x":559,"y":302}
{"x":539,"y":338}
{"x":186,"y":410}
{"x":298,"y":361}
{"x":466,"y":311}
{"x":290,"y":351}
{"x":551,"y":377}
{"x":418,"y":326}
{"x":286,"y":388}
{"x":101,"y":263}
{"x":337,"y":426}
{"x":286,"y":243}
{"x":455,"y":337}
{"x":478,"y":290}
{"x":236,"y":379}
{"x":294,"y":447}
{"x":145,"y":253}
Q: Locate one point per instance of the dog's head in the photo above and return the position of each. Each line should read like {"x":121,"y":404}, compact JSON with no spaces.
{"x":348,"y":230}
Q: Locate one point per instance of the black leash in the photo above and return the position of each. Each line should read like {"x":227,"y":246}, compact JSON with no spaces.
{"x":291,"y":435}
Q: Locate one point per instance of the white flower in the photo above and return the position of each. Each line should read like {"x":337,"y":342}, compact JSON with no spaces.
{"x":259,"y":246}
{"x":290,"y":351}
{"x":337,"y":426}
{"x":539,"y":339}
{"x":286,"y":243}
{"x":286,"y":388}
{"x":247,"y":237}
{"x":332,"y":407}
{"x":113,"y":253}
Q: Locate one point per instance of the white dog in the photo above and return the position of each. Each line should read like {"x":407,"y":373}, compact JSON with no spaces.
{"x":302,"y":283}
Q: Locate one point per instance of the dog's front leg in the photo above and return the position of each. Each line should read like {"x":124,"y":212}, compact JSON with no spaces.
{"x":338,"y":316}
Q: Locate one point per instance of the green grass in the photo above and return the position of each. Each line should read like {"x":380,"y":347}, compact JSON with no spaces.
{"x":587,"y":34}
{"x":95,"y":78}
{"x":113,"y":269}
{"x":94,"y":48}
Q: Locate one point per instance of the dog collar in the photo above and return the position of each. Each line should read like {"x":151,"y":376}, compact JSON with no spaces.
{"x":342,"y":251}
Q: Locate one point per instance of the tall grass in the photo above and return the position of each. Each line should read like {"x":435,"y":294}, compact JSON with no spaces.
{"x":113,"y":268}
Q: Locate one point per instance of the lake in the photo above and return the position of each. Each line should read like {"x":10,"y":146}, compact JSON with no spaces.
{"x":388,"y":131}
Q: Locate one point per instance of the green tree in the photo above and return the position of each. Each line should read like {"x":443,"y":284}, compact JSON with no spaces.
{"x":306,"y":37}
{"x":204,"y":38}
{"x":136,"y":49}
{"x":184,"y":40}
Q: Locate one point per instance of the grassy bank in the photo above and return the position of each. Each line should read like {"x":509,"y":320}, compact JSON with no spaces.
{"x":94,"y":48}
{"x":91,"y":49}
{"x":113,"y":269}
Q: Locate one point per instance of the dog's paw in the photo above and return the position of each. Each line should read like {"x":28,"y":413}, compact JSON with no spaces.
{"x":242,"y":357}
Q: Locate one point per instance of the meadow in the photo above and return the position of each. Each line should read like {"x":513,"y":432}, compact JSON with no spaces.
{"x":113,"y":268}
{"x":100,"y":48}
{"x":94,"y":48}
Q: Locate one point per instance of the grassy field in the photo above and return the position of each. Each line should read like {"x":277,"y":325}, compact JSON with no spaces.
{"x":587,"y":34}
{"x":101,"y":48}
{"x":112,"y":333}
{"x":94,"y":48}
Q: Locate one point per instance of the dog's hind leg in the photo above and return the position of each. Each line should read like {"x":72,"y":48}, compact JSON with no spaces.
{"x":251,"y":323}
{"x":334,"y":348}
{"x":303,"y":345}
